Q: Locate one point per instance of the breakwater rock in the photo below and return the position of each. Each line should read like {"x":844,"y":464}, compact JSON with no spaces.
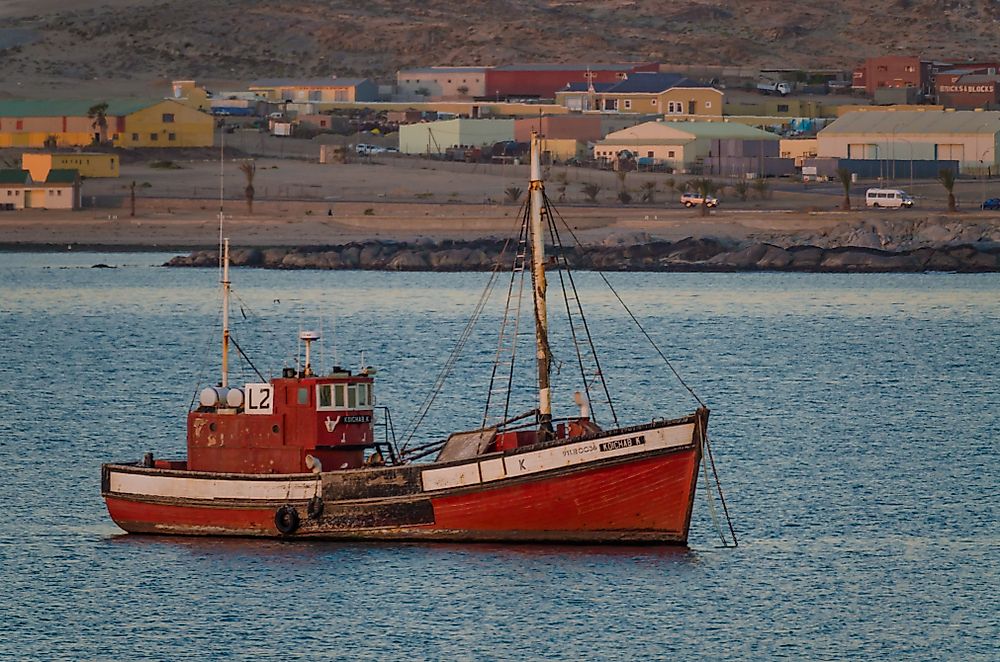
{"x":706,"y":254}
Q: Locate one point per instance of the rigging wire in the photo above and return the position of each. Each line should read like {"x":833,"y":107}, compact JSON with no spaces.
{"x":557,"y":239}
{"x":502,"y":334}
{"x":456,"y":352}
{"x":635,"y":319}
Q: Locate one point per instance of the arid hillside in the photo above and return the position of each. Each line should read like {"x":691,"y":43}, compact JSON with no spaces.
{"x":44,"y":43}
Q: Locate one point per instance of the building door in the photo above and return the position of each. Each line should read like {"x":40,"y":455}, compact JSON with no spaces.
{"x":33,"y":199}
{"x":692,"y":107}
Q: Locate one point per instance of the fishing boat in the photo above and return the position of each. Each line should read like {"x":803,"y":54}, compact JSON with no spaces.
{"x":309,"y":455}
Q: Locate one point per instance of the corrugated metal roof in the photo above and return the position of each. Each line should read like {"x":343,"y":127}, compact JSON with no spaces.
{"x":914,"y":121}
{"x":672,"y":132}
{"x":61,"y":176}
{"x":640,"y":82}
{"x":307,"y":82}
{"x":443,"y":70}
{"x":71,"y":107}
{"x":722,"y":130}
{"x":13,"y":176}
{"x":580,"y":66}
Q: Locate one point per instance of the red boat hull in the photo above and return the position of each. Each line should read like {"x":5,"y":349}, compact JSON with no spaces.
{"x":639,"y":497}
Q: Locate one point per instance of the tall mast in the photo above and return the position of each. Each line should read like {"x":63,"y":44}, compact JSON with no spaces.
{"x":224,"y":260}
{"x":543,"y":355}
{"x":225,"y":312}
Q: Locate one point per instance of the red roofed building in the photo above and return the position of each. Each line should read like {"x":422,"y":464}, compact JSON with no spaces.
{"x":541,"y":81}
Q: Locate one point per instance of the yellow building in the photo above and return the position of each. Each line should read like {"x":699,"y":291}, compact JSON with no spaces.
{"x":672,"y":95}
{"x":189,"y":93}
{"x":563,"y":149}
{"x":88,"y":164}
{"x":799,"y":149}
{"x":122,"y":123}
{"x":317,"y":90}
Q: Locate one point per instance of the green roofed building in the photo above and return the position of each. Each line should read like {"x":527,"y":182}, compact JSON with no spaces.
{"x":60,"y":190}
{"x":119,"y":122}
{"x":690,"y":145}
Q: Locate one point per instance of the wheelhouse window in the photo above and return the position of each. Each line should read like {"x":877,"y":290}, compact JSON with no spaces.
{"x":343,"y":396}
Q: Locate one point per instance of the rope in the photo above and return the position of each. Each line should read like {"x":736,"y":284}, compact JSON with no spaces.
{"x":718,"y":484}
{"x":460,"y":345}
{"x":634,"y":318}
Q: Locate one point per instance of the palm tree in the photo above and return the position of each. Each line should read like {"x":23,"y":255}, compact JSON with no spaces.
{"x":249,"y":169}
{"x":591,"y":190}
{"x":947,"y":178}
{"x":742,"y":189}
{"x":648,"y":192}
{"x":98,"y":114}
{"x":705,"y":188}
{"x":513,"y":194}
{"x":844,"y":175}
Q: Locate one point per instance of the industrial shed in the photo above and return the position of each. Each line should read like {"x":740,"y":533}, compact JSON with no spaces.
{"x":969,"y":137}
{"x":436,"y":137}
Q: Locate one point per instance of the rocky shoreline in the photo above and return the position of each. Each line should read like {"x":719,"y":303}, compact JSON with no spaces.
{"x":707,"y":254}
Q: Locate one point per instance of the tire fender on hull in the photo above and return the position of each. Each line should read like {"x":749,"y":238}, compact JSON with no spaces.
{"x":286,"y":520}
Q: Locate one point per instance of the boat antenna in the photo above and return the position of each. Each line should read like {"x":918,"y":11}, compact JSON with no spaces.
{"x":543,"y":353}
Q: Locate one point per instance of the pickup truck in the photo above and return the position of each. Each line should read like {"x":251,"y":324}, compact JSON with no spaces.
{"x":691,"y":199}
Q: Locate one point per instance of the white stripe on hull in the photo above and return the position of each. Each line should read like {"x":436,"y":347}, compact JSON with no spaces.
{"x":211,"y":489}
{"x":560,"y":457}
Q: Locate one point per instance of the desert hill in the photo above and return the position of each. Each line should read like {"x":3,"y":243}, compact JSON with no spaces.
{"x":45,"y":43}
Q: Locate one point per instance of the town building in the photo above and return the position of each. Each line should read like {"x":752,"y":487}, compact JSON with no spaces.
{"x":968,"y":89}
{"x":19,"y":190}
{"x":121,"y":123}
{"x":88,"y":164}
{"x":191,"y":94}
{"x":542,"y":81}
{"x":642,"y":92}
{"x":893,"y":71}
{"x":441,"y":83}
{"x":320,"y":90}
{"x":559,"y":127}
{"x":715,"y":147}
{"x":436,"y":137}
{"x":968,"y":137}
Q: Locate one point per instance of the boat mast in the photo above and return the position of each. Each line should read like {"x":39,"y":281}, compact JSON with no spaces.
{"x":224,"y":259}
{"x":225,"y":313}
{"x":544,"y":354}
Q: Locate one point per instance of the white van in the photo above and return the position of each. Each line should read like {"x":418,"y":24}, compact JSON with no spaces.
{"x":887,"y":197}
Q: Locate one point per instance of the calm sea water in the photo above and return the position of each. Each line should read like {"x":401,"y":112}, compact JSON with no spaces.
{"x":855,"y":421}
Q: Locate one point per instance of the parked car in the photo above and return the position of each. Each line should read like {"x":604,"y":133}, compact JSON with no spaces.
{"x":367,"y":150}
{"x":691,"y":199}
{"x":992,"y":203}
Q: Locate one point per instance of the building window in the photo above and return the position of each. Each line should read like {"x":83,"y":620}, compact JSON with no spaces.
{"x":708,"y":104}
{"x":652,"y":102}
{"x":628,"y":104}
{"x":909,"y":68}
{"x":670,"y":154}
{"x":154,"y":137}
{"x":135,"y":137}
{"x":649,"y":154}
{"x":19,"y":125}
{"x":782,"y":107}
{"x":168,"y":118}
{"x":171,"y":136}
